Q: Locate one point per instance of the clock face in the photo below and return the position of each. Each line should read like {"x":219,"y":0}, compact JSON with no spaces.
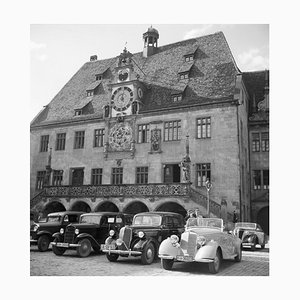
{"x":122,"y":98}
{"x":123,"y":75}
{"x":120,"y":137}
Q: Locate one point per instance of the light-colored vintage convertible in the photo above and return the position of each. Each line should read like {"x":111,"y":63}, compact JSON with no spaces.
{"x":205,"y":241}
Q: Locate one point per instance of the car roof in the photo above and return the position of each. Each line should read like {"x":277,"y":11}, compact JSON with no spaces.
{"x":161,"y":213}
{"x":67,"y":212}
{"x":104,"y":213}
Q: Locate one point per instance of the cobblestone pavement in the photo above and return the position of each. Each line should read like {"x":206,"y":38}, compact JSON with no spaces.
{"x":47,"y":264}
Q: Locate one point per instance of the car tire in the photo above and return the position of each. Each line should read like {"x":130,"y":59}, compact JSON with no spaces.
{"x":148,"y":254}
{"x":214,"y":266}
{"x":85,"y":248}
{"x":112,"y":257}
{"x":43,"y":243}
{"x":59,"y":251}
{"x":238,"y":258}
{"x":167,"y":264}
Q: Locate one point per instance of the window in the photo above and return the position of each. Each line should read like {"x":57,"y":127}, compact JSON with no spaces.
{"x":89,"y":93}
{"x":256,"y":179}
{"x":255,"y":142}
{"x":143,"y":133}
{"x":172,"y":131}
{"x":189,"y":58}
{"x":117,"y":175}
{"x":203,"y":173}
{"x":98,"y":77}
{"x":79,"y":140}
{"x":98,"y":137}
{"x":203,"y":128}
{"x":265,"y":141}
{"x":177,"y":98}
{"x":96,"y":176}
{"x":142,"y":175}
{"x":44,"y":143}
{"x":78,"y":112}
{"x":184,"y":75}
{"x":57,"y":177}
{"x":265,"y":179}
{"x":60,"y":141}
{"x":40,"y":180}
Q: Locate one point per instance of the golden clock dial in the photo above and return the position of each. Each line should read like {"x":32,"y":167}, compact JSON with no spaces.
{"x":122,"y":98}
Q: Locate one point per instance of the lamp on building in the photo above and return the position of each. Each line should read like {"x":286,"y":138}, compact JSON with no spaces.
{"x":208,"y":186}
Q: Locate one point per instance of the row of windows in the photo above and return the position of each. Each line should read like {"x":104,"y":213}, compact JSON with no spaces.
{"x":260,"y":141}
{"x":172,"y":132}
{"x":203,"y":173}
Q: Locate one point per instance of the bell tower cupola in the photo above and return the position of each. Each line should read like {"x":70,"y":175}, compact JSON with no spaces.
{"x":150,"y":42}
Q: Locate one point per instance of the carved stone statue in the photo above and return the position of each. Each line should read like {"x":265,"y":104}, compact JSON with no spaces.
{"x":155,"y":139}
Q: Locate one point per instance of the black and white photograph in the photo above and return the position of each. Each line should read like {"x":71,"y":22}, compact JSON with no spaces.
{"x":153,"y":157}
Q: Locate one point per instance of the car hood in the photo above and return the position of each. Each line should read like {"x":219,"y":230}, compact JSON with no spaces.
{"x":43,"y":226}
{"x":84,"y":225}
{"x":204,"y":231}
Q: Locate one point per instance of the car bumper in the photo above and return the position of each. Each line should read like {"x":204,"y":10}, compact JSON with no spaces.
{"x":64,"y":245}
{"x":123,"y":252}
{"x":32,"y":242}
{"x":184,"y":258}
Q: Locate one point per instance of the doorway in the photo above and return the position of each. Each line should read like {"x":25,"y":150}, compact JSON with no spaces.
{"x":77,"y":176}
{"x":171,"y":173}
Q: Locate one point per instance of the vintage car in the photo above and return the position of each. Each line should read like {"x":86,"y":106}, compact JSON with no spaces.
{"x":143,"y":237}
{"x":89,"y":233}
{"x":205,"y":241}
{"x":251,"y":235}
{"x":41,"y":233}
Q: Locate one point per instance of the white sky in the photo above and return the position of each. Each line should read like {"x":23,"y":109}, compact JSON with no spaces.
{"x":58,"y":51}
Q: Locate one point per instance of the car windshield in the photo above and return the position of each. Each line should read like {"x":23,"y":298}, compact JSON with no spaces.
{"x":53,"y":219}
{"x":147,"y":220}
{"x":91,"y":219}
{"x":205,"y":222}
{"x":245,"y":225}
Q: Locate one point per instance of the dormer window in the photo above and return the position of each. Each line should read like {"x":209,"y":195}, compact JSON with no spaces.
{"x":89,"y":93}
{"x":78,"y":112}
{"x":177,"y":98}
{"x":184,"y":75}
{"x":98,"y":77}
{"x":189,"y":58}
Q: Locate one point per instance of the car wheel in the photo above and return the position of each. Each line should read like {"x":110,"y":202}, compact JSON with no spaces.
{"x":85,"y":248}
{"x":112,"y":257}
{"x":43,"y":243}
{"x":58,"y":250}
{"x":148,"y":254}
{"x":214,"y":266}
{"x":238,"y":258}
{"x":167,"y":264}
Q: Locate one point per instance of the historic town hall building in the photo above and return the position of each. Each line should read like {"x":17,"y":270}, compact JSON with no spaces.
{"x":163,"y":129}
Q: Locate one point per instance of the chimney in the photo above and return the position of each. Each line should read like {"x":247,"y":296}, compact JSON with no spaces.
{"x":93,"y":58}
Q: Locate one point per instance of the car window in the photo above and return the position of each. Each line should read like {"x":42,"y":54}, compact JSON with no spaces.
{"x":147,"y":220}
{"x":119,"y":220}
{"x":176,"y":222}
{"x":168,"y":221}
{"x":53,"y":219}
{"x":73,"y":218}
{"x":91,"y":219}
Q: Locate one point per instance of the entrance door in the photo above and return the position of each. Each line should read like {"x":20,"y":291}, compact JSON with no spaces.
{"x":77,"y":176}
{"x":171,"y":173}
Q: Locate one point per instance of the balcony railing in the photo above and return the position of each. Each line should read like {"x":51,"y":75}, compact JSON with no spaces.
{"x":152,"y":189}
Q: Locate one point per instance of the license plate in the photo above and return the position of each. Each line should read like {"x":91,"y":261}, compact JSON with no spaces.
{"x":184,"y":258}
{"x":108,"y":247}
{"x":66,"y":245}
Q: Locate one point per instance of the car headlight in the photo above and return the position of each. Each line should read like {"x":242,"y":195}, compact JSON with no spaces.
{"x":36,"y":227}
{"x":61,"y":231}
{"x":201,"y":240}
{"x":174,"y":240}
{"x":111,"y":232}
{"x":119,"y":242}
{"x":76,"y":231}
{"x":141,"y":234}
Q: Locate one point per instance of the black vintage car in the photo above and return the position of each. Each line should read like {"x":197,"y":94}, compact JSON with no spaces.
{"x":41,"y":233}
{"x":144,"y":236}
{"x":89,"y":233}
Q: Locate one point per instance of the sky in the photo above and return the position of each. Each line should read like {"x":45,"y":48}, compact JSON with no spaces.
{"x":57,"y":51}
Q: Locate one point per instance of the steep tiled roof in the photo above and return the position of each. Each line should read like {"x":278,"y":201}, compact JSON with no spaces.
{"x":211,"y":79}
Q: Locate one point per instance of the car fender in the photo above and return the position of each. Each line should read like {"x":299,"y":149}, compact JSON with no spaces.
{"x":166,"y":248}
{"x":82,"y":236}
{"x":208,"y":251}
{"x":142,"y":243}
{"x":56,"y":235}
{"x":44,"y":232}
